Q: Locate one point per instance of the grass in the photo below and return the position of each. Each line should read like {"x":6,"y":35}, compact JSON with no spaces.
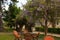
{"x":57,"y":38}
{"x":9,"y":36}
{"x":6,"y":36}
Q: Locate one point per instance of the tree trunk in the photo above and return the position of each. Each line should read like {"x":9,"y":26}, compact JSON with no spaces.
{"x":1,"y":24}
{"x":28,"y":27}
{"x":46,"y":27}
{"x":46,"y":20}
{"x":46,"y":17}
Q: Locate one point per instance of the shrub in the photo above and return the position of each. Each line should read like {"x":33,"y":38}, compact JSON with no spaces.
{"x":50,"y":30}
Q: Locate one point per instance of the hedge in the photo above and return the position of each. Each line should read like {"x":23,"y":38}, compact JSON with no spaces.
{"x":50,"y":30}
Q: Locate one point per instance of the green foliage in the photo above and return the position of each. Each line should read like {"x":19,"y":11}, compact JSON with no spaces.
{"x":39,"y":29}
{"x":13,"y":10}
{"x":8,"y":29}
{"x":14,"y":0}
{"x":10,"y":15}
{"x":39,"y":8}
{"x":50,"y":30}
{"x":34,"y":9}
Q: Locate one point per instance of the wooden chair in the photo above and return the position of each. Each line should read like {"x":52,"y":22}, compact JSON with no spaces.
{"x":35,"y":36}
{"x":17,"y":35}
{"x":31,"y":36}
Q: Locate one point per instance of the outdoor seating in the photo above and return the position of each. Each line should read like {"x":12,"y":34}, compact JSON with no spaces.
{"x":30,"y":36}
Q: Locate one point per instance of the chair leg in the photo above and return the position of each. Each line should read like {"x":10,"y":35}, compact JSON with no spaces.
{"x":18,"y":38}
{"x":15,"y":39}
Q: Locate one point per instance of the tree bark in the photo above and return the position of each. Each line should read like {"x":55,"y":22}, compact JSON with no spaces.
{"x":1,"y":24}
{"x":46,"y":17}
{"x":46,"y":27}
